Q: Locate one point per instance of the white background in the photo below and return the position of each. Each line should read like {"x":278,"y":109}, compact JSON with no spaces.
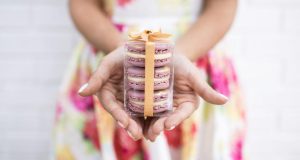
{"x":36,"y":42}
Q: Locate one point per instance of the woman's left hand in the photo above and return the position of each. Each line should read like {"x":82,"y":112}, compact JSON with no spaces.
{"x":188,"y":86}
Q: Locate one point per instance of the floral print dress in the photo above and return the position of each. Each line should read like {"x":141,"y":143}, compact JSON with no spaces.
{"x":211,"y":133}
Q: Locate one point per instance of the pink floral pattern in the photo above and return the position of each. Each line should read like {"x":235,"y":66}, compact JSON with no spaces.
{"x":90,"y":131}
{"x":122,"y":3}
{"x":237,"y":152}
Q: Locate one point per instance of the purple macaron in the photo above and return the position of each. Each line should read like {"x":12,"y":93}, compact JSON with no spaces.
{"x":135,"y":55}
{"x":136,"y":78}
{"x":136,"y":101}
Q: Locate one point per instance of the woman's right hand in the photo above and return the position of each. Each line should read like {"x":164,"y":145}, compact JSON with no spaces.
{"x":107,"y":84}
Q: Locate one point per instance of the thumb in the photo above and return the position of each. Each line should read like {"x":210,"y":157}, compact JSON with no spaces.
{"x":204,"y":90}
{"x":99,"y":77}
{"x":112,"y":61}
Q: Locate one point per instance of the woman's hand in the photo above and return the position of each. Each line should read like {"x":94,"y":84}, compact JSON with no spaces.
{"x":107,"y":84}
{"x":188,"y":86}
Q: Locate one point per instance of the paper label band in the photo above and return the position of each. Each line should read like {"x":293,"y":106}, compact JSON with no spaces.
{"x":149,"y":78}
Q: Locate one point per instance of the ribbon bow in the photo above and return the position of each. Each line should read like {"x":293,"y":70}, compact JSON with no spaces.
{"x":149,"y":35}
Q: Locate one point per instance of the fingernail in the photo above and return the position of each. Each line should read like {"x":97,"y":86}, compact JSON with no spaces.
{"x":222,"y":95}
{"x":120,"y":124}
{"x":83,"y":87}
{"x":152,"y":140}
{"x":169,"y":129}
{"x":131,"y":136}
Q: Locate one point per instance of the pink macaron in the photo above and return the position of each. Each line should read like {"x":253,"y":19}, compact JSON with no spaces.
{"x":136,"y":101}
{"x":135,"y":55}
{"x":136,"y":78}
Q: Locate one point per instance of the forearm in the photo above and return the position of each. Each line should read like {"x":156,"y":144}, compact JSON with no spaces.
{"x":211,"y":26}
{"x":91,"y":21}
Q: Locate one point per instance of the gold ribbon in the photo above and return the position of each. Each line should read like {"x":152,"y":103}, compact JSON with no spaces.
{"x":149,"y":37}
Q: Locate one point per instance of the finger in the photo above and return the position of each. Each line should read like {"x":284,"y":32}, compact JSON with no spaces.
{"x":97,"y":80}
{"x":147,"y":123}
{"x":134,"y":129}
{"x":156,"y":127}
{"x":204,"y":90}
{"x":180,"y":114}
{"x":111,"y":105}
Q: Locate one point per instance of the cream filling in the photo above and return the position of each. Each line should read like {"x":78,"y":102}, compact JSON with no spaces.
{"x":164,"y":69}
{"x":143,"y":79}
{"x":156,"y":56}
{"x":155,"y":103}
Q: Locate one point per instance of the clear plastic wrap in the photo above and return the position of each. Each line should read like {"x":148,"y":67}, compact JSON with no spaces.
{"x":135,"y":71}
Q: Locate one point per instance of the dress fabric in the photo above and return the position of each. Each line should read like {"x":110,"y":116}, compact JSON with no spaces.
{"x":211,"y":133}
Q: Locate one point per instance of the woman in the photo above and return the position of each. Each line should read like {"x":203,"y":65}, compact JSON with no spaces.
{"x":196,"y":130}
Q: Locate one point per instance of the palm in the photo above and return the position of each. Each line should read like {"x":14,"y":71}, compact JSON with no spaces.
{"x":185,"y":99}
{"x":183,"y":91}
{"x":114,"y":86}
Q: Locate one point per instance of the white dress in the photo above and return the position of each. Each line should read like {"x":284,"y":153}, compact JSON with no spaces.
{"x":211,"y":133}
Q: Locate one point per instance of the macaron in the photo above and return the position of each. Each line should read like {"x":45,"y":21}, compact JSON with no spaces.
{"x":135,"y":55}
{"x":136,"y":101}
{"x":136,"y":78}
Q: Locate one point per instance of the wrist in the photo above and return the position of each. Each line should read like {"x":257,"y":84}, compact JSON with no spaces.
{"x":180,"y":49}
{"x":113,"y":46}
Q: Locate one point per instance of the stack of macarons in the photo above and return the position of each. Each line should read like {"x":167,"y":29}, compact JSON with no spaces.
{"x":135,"y":78}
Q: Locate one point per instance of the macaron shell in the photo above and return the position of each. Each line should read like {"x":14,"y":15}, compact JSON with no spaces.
{"x":140,"y":95}
{"x":141,"y":85}
{"x":135,"y":54}
{"x":140,"y":108}
{"x":140,"y":62}
{"x":140,"y":47}
{"x":135,"y":78}
{"x":140,"y":72}
{"x":136,"y":100}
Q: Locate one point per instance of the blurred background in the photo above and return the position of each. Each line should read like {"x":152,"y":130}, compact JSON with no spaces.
{"x":37,"y":38}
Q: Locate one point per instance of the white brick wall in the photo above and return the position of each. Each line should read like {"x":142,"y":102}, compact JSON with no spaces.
{"x":36,"y":40}
{"x":37,"y":37}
